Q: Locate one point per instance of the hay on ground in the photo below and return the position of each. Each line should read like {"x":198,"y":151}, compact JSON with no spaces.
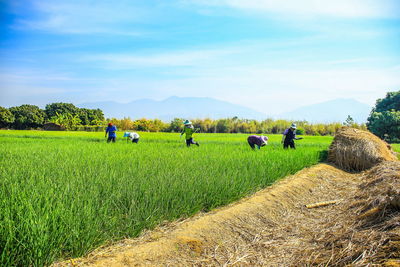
{"x":366,"y":230}
{"x":357,"y":150}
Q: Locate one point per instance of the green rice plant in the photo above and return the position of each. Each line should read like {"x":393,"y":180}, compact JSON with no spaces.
{"x":396,"y":148}
{"x":62,"y":194}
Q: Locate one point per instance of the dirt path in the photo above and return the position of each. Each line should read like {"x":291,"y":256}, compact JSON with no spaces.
{"x":269,"y":228}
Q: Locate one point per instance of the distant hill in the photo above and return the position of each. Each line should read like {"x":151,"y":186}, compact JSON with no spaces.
{"x":331,"y":111}
{"x":175,"y":107}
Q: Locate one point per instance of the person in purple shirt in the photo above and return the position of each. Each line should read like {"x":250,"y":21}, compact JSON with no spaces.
{"x":255,"y":140}
{"x":111,"y":129}
{"x":289,"y":135}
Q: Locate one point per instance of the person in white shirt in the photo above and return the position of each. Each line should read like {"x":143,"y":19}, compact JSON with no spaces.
{"x":133,"y":136}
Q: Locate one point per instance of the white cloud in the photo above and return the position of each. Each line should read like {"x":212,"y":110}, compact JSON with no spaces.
{"x":84,"y":17}
{"x":305,"y":8}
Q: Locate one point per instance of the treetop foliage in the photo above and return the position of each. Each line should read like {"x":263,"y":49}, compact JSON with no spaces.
{"x":384,"y":120}
{"x":390,"y":102}
{"x":64,"y":114}
{"x":6,"y":118}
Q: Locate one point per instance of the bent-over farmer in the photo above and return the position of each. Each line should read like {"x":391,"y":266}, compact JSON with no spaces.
{"x":189,"y":130}
{"x":259,"y":141}
{"x":133,"y":136}
{"x":111,"y":131}
{"x":288,"y":137}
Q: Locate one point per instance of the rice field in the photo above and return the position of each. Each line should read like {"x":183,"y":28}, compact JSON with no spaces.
{"x":396,"y":147}
{"x":63,"y":194}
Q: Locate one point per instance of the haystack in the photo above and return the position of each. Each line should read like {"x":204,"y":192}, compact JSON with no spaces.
{"x":365,"y":230}
{"x":357,"y":150}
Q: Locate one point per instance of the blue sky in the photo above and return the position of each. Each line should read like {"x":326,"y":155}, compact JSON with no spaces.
{"x":270,"y":55}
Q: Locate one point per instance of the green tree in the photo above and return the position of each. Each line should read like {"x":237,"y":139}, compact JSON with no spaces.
{"x":157,"y":125}
{"x":97,"y":117}
{"x":28,"y":116}
{"x":349,"y":121}
{"x":53,"y":109}
{"x":91,"y":116}
{"x":67,"y":120}
{"x":6,"y":118}
{"x":223,"y":126}
{"x":384,"y":120}
{"x":176,"y":125}
{"x":386,"y":125}
{"x":143,"y":125}
{"x":84,"y":114}
{"x":390,"y":102}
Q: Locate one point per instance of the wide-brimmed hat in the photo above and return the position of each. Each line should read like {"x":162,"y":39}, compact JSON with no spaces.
{"x":187,"y":122}
{"x":265,"y":138}
{"x":293,"y":126}
{"x":126,"y":134}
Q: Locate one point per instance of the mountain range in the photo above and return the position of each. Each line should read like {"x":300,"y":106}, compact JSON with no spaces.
{"x":175,"y":107}
{"x":203,"y":107}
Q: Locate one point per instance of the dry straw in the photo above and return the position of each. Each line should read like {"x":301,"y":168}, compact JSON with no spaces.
{"x":357,"y":150}
{"x":366,"y":229}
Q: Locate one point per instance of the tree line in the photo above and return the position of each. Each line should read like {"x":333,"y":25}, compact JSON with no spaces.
{"x":66,"y":115}
{"x":383,"y":121}
{"x":231,"y":125}
{"x":71,"y":117}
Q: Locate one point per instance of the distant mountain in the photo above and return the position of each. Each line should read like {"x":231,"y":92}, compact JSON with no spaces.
{"x":331,"y":111}
{"x":175,"y":107}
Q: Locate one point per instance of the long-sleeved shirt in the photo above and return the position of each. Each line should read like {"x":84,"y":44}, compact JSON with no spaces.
{"x":256,"y":140}
{"x":188,"y":131}
{"x":134,"y":136}
{"x":111,"y":131}
{"x":290,"y":135}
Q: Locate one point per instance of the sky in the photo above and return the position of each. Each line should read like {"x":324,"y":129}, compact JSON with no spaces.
{"x":269,"y":55}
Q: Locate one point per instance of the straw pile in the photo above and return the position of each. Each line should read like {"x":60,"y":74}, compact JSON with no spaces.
{"x":366,"y":230}
{"x":357,"y":150}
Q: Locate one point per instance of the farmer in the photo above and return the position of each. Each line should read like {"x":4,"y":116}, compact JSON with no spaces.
{"x":259,"y":141}
{"x":289,"y":135}
{"x":133,"y":136}
{"x":111,"y":129}
{"x":189,"y":130}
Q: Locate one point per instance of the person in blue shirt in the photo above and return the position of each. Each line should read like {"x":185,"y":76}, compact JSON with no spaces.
{"x":111,"y":129}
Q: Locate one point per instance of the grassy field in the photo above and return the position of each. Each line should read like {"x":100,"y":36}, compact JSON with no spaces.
{"x":396,"y":147}
{"x":64,"y":193}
